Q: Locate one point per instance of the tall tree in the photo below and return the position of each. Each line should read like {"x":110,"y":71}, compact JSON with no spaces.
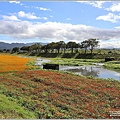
{"x":36,"y":47}
{"x":51,"y":46}
{"x":92,"y":44}
{"x":60,"y":45}
{"x":85,"y":45}
{"x":45,"y":48}
{"x":15,"y":49}
{"x":25,"y":48}
{"x":71,"y":45}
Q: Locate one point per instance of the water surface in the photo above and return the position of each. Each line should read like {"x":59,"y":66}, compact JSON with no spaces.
{"x":95,"y":71}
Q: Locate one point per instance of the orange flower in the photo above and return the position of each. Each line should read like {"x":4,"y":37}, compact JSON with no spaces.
{"x":12,"y":63}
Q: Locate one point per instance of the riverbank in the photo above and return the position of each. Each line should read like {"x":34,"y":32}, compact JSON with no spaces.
{"x":111,"y":65}
{"x":78,"y":59}
{"x":75,"y":62}
{"x":87,"y":68}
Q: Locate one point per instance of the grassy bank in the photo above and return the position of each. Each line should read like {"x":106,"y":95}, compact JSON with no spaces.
{"x":75,"y":55}
{"x":9,"y":108}
{"x":113,"y":65}
{"x":78,"y":59}
{"x":52,"y":94}
{"x":75,"y":62}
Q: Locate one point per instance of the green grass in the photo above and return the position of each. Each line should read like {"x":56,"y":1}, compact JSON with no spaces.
{"x":10,"y":109}
{"x":32,"y":63}
{"x":113,"y":65}
{"x":74,"y":62}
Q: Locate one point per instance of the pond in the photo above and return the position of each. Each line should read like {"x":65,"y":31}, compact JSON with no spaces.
{"x":95,"y":71}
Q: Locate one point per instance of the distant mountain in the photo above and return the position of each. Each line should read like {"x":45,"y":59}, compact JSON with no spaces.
{"x":4,"y":45}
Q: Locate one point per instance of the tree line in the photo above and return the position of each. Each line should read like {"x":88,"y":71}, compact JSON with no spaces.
{"x":61,"y":46}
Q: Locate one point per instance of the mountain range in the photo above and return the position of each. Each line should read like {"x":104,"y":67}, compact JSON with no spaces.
{"x":10,"y":46}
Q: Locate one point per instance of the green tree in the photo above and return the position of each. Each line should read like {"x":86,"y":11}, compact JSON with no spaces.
{"x":51,"y":46}
{"x":35,"y":47}
{"x":72,"y":45}
{"x":92,"y":44}
{"x":25,"y":48}
{"x":63,"y":45}
{"x":45,"y":48}
{"x":15,"y":49}
{"x":85,"y":45}
{"x":60,"y":45}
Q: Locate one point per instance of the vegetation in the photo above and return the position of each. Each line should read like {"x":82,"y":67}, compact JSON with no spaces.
{"x":10,"y":63}
{"x":26,"y":92}
{"x":15,"y":49}
{"x":87,"y":49}
{"x":114,"y":65}
{"x":90,"y":43}
{"x":52,"y":94}
{"x":59,"y":47}
{"x":9,"y":108}
{"x":75,"y":62}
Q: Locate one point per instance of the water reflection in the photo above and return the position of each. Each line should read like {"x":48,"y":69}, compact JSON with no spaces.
{"x":95,"y":71}
{"x":85,"y":71}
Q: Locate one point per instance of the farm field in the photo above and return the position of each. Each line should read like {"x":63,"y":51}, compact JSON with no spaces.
{"x":26,"y":93}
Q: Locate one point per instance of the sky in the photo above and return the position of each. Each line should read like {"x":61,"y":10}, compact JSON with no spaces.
{"x":26,"y":22}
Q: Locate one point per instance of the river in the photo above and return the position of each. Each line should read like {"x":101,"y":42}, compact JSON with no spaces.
{"x":93,"y":70}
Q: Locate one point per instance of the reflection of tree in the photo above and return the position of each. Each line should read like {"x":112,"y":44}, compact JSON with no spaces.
{"x":85,"y":72}
{"x":90,"y":72}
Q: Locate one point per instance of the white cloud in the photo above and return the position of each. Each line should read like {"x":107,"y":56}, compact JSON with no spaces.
{"x":44,"y":18}
{"x":41,"y":8}
{"x":111,"y":44}
{"x":55,"y":31}
{"x":98,"y":4}
{"x":26,"y":6}
{"x":11,"y":18}
{"x":27,"y":15}
{"x":109,"y":17}
{"x":17,"y":2}
{"x":118,"y":27}
{"x":44,"y":9}
{"x":68,"y":19}
{"x":22,"y":14}
{"x":114,"y":8}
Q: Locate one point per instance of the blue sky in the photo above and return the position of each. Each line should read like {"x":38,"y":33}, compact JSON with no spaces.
{"x":55,"y":21}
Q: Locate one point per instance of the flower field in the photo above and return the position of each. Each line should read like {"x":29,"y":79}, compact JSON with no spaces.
{"x":26,"y":93}
{"x":10,"y":63}
{"x":58,"y":95}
